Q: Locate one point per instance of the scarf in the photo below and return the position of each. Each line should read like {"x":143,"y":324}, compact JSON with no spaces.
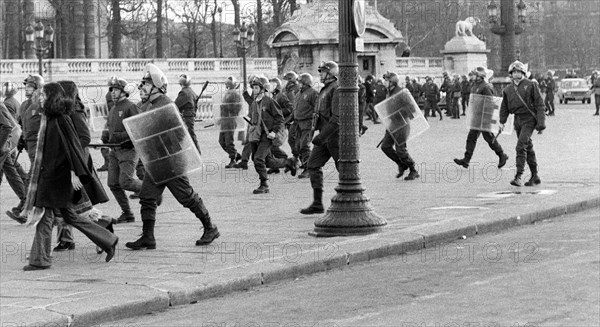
{"x":34,"y":214}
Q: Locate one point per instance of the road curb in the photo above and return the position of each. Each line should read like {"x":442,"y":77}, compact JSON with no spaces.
{"x":399,"y":242}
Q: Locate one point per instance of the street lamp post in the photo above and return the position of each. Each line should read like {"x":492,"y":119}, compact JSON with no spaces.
{"x":350,"y":212}
{"x":244,"y":37}
{"x":40,"y":39}
{"x":220,"y":11}
{"x":507,"y":30}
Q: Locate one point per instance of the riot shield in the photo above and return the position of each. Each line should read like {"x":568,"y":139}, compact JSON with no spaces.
{"x":98,"y":116}
{"x":163,"y":143}
{"x":483,"y":114}
{"x":402,"y":117}
{"x":229,"y":109}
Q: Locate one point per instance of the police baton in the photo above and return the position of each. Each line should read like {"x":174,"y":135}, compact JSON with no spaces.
{"x":379,"y":144}
{"x":248,"y":121}
{"x":496,"y":136}
{"x":203,"y":89}
{"x":18,"y":154}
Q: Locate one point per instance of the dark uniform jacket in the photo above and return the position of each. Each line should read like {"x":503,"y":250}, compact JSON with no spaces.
{"x":7,"y":124}
{"x":31,"y":119}
{"x":186,"y":102}
{"x":465,"y":88}
{"x":370,"y":91}
{"x":431,"y":92}
{"x":550,"y":85}
{"x":446,"y":84}
{"x":12,"y":105}
{"x":285,"y":105}
{"x":530,"y":93}
{"x":269,"y":113}
{"x":291,"y":91}
{"x":231,"y":107}
{"x":380,"y":92}
{"x":482,"y":88}
{"x":328,"y":108}
{"x":121,"y":110}
{"x":305,"y":103}
{"x":417,"y":90}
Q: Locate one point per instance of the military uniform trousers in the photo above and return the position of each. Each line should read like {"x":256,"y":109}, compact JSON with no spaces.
{"x":292,"y":136}
{"x":121,"y":175}
{"x":180,"y":188}
{"x":13,"y":176}
{"x":319,"y":156}
{"x":261,"y":155}
{"x":432,"y":104}
{"x":524,"y":127}
{"x":302,"y":145}
{"x":41,"y":248}
{"x":189,"y":123}
{"x":398,"y":153}
{"x":226,"y":142}
{"x":488,"y":137}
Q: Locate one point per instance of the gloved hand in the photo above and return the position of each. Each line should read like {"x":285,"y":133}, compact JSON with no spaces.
{"x":271,"y":135}
{"x":500,"y":127}
{"x":21,"y":144}
{"x":541,"y":121}
{"x":126,"y":144}
{"x":324,"y":134}
{"x":104,"y":137}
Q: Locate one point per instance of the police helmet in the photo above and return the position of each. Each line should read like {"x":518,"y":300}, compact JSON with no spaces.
{"x":185,"y":80}
{"x":306,"y":79}
{"x":391,"y":77}
{"x":231,"y":83}
{"x":261,"y":82}
{"x":34,"y":80}
{"x":517,"y":65}
{"x":290,"y":76}
{"x":277,"y":82}
{"x":155,"y":76}
{"x":330,"y":67}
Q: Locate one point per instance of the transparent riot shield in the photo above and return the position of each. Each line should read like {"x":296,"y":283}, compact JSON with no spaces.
{"x":229,"y":109}
{"x":98,"y":116}
{"x":163,"y":143}
{"x":483,"y":114}
{"x":402,"y":117}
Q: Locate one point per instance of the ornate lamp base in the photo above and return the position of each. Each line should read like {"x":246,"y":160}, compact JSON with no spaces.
{"x":350,"y":214}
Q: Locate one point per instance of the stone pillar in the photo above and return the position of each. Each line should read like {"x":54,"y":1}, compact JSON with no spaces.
{"x":466,"y":53}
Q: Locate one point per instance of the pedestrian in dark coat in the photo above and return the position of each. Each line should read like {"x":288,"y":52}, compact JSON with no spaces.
{"x":465,"y":89}
{"x":59,"y":174}
{"x":522,"y":98}
{"x":549,"y":99}
{"x":431,"y":93}
{"x":186,"y":102}
{"x":231,"y":107}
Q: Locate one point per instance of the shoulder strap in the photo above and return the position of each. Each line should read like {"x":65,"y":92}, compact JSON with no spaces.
{"x":523,"y":101}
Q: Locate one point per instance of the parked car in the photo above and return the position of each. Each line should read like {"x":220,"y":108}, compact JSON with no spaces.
{"x":575,"y":89}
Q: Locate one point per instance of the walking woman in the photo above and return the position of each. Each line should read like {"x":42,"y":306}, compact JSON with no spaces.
{"x":60,"y":171}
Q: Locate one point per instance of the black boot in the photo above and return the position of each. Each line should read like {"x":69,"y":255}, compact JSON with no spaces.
{"x":517,"y":180}
{"x":291,"y":165}
{"x":414,"y":174}
{"x":262,"y":188}
{"x":502,"y":160}
{"x":317,"y":205}
{"x":147,"y":240}
{"x":210,"y":232}
{"x":462,"y":162}
{"x":231,"y":164}
{"x":241,"y":165}
{"x":401,"y":169}
{"x":534,"y":180}
{"x":126,"y":217}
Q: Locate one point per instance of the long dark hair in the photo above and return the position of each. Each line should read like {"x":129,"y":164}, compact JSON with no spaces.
{"x":56,"y":102}
{"x":72,"y":93}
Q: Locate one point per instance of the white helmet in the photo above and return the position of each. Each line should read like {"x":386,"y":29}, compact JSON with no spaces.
{"x":185,"y":80}
{"x":155,"y":76}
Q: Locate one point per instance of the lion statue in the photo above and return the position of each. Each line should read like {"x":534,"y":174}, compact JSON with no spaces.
{"x":465,"y":27}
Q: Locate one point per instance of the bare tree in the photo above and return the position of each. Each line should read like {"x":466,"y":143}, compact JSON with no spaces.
{"x":159,"y":29}
{"x":116,"y":29}
{"x":191,"y":14}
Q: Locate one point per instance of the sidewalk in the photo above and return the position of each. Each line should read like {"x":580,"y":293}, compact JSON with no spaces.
{"x":265,"y":239}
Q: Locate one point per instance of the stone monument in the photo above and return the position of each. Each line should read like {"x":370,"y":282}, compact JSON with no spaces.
{"x":464,"y":52}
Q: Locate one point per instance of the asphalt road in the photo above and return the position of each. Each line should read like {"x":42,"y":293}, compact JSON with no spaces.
{"x":545,"y":274}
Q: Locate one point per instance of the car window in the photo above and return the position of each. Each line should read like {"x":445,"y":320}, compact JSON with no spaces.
{"x":572,"y":84}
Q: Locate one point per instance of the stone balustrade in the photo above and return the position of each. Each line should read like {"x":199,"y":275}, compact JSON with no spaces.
{"x":86,"y":71}
{"x":419,"y":67}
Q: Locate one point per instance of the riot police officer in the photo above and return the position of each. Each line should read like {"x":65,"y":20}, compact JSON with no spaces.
{"x":123,"y":160}
{"x":154,"y":83}
{"x":186,"y":102}
{"x":326,"y":143}
{"x":522,"y":98}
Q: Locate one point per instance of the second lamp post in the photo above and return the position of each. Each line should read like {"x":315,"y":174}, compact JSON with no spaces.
{"x":40,"y":39}
{"x":244,"y":37}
